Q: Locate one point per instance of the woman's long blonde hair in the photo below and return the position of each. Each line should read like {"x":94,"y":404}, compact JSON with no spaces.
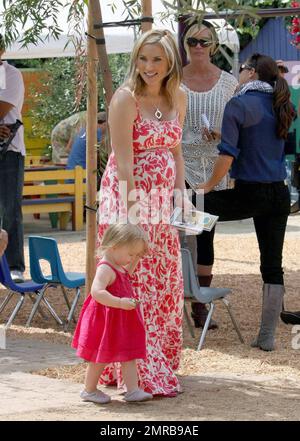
{"x":119,"y":235}
{"x":172,"y":81}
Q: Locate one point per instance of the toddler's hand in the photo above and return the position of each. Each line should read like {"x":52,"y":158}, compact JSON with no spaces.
{"x":127,"y":303}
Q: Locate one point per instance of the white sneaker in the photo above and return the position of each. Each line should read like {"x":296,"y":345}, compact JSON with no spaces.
{"x":95,"y":397}
{"x":17,"y":276}
{"x":137,"y":395}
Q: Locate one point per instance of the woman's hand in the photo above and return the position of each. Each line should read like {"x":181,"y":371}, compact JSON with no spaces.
{"x":206,"y":187}
{"x":127,"y":303}
{"x":182,"y":200}
{"x":211,"y":135}
{"x":4,"y":132}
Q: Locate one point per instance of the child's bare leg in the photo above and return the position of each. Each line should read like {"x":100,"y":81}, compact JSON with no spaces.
{"x":133,"y":393}
{"x":92,"y":375}
{"x":129,"y":373}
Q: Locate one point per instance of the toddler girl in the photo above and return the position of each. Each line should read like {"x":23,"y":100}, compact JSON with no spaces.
{"x":110,"y":327}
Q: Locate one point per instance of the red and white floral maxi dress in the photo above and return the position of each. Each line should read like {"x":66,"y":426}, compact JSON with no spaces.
{"x":157,"y":281}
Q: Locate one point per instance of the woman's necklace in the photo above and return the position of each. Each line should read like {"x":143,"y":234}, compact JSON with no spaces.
{"x":158,"y":114}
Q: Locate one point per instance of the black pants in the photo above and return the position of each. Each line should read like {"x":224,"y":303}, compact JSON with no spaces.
{"x":11,"y":188}
{"x":269,"y":206}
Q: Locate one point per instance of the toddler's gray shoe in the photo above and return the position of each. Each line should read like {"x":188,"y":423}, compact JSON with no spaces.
{"x":137,"y":395}
{"x":95,"y":397}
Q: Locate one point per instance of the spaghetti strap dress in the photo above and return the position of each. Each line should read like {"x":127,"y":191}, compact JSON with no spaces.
{"x":104,"y":334}
{"x":157,"y":280}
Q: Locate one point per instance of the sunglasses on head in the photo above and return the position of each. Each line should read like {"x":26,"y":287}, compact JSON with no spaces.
{"x":245,"y":67}
{"x":192,"y":42}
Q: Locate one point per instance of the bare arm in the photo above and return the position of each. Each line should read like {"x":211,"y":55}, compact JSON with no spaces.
{"x":5,"y":108}
{"x":181,"y":198}
{"x":103,"y":278}
{"x":177,"y":151}
{"x":69,"y":144}
{"x":122,"y":113}
{"x":221,"y":168}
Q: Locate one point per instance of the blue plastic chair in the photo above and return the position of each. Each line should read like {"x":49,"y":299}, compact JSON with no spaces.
{"x":193,"y":292}
{"x":21,"y":289}
{"x":45,"y":248}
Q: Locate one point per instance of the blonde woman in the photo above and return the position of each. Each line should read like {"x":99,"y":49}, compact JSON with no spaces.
{"x":145,"y":117}
{"x":208,"y":89}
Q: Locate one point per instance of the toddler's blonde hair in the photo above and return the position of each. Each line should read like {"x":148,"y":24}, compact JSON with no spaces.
{"x":119,"y":235}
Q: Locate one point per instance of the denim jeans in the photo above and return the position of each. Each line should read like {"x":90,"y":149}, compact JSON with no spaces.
{"x":269,"y":206}
{"x":11,"y":188}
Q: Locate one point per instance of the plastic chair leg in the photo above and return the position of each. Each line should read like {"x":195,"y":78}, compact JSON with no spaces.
{"x":74,"y":304}
{"x":15,"y":311}
{"x":234,"y":322}
{"x":52,"y":311}
{"x":66,"y":297}
{"x":203,"y":334}
{"x":39,"y":308}
{"x":6,"y":301}
{"x":36,"y":305}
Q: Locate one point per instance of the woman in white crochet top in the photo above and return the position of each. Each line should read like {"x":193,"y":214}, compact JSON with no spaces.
{"x":208,"y":89}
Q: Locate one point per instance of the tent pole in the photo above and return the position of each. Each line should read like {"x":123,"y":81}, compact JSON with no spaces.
{"x":91,"y":155}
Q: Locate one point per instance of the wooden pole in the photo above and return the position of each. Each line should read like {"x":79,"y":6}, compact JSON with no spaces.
{"x":146,"y":12}
{"x":91,"y":154}
{"x":102,"y":53}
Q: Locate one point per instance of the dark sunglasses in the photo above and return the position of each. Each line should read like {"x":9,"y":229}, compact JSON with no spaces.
{"x":283,"y":69}
{"x":192,"y":42}
{"x":245,"y":67}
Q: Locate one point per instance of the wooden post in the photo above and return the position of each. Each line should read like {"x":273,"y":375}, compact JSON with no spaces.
{"x":101,"y":48}
{"x":78,"y":197}
{"x":91,"y":155}
{"x":146,"y":12}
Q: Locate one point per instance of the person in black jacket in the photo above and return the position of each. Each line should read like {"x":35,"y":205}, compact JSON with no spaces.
{"x":255,"y":126}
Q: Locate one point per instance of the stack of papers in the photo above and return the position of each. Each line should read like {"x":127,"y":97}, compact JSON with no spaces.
{"x":194,"y":222}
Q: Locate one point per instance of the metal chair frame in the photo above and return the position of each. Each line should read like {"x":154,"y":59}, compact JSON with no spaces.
{"x":22,"y":289}
{"x":46,"y":248}
{"x":194,"y":293}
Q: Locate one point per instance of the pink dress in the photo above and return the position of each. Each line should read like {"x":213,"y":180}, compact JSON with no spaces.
{"x":105,"y":334}
{"x":157,"y":280}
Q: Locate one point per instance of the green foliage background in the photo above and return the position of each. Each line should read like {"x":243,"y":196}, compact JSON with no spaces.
{"x":57,"y":102}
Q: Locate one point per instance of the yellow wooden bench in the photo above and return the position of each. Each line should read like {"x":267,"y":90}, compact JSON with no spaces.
{"x":32,"y":160}
{"x":49,"y":193}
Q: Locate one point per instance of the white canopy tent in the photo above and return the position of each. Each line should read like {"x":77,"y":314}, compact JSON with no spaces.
{"x":118,"y":40}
